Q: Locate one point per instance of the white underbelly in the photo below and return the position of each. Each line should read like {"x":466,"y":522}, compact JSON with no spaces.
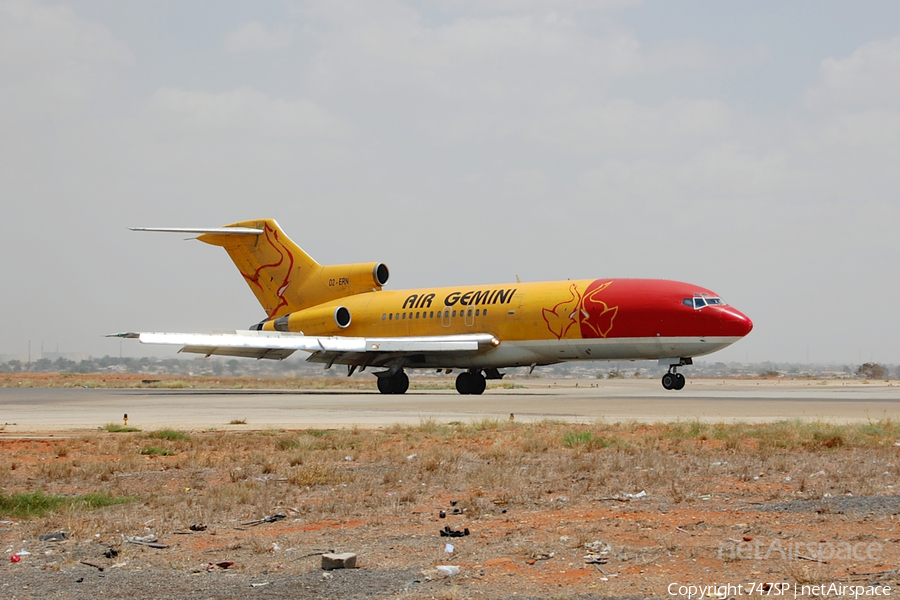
{"x":523,"y":353}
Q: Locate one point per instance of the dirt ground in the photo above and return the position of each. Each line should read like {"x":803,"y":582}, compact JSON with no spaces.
{"x":133,"y":380}
{"x":553,"y":510}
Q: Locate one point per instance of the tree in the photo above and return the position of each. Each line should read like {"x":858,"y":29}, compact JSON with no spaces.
{"x":870,"y":371}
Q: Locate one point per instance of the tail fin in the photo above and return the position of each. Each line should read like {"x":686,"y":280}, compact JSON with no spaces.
{"x":270,"y":263}
{"x":283,"y":277}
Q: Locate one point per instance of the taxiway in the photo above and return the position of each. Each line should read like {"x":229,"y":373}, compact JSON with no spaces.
{"x":25,"y":410}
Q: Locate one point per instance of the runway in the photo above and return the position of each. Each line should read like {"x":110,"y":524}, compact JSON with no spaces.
{"x":25,"y":410}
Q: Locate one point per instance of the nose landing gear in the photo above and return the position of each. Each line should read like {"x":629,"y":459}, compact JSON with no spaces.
{"x":470,"y":382}
{"x":673,"y":380}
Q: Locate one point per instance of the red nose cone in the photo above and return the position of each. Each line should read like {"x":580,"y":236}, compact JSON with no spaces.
{"x":734,"y":323}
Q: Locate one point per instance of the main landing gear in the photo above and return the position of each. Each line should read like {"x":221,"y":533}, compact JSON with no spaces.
{"x":470,"y":382}
{"x":673,"y":380}
{"x":467,"y":382}
{"x":397,"y":383}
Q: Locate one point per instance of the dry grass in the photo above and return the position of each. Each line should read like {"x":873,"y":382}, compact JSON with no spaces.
{"x":347,"y":473}
{"x":528,"y":491}
{"x":137,"y":381}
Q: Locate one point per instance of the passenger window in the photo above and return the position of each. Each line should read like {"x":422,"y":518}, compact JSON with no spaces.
{"x":477,"y":312}
{"x":470,"y":312}
{"x":404,"y":316}
{"x":417,"y":315}
{"x":454,"y":313}
{"x":383,"y":316}
{"x":485,"y":312}
{"x":391,"y":317}
{"x":447,"y":313}
{"x":432,"y":315}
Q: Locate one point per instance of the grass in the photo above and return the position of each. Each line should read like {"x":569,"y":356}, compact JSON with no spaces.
{"x":37,"y":504}
{"x":507,"y":385}
{"x":522,"y":486}
{"x":169,"y":384}
{"x":484,"y":463}
{"x":114,"y":428}
{"x":169,"y":434}
{"x":238,"y":422}
{"x":175,"y":382}
{"x":585,"y":440}
{"x":157,"y":451}
{"x":789,"y":434}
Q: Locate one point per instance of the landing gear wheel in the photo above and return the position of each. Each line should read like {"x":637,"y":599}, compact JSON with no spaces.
{"x":478,"y":384}
{"x":470,"y":383}
{"x":668,"y":381}
{"x":464,"y":383}
{"x":679,"y":381}
{"x":394,"y":384}
{"x":401,"y":382}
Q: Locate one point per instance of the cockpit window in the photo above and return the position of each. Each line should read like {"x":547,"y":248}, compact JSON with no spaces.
{"x":702,"y":300}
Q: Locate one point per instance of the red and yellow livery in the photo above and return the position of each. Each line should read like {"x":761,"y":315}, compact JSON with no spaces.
{"x":341,"y":314}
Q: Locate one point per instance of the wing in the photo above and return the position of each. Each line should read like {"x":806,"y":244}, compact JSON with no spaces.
{"x":343,"y":350}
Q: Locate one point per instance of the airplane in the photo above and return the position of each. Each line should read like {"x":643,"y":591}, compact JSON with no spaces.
{"x":341,"y":314}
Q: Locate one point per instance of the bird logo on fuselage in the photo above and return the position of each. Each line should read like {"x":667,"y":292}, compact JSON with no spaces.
{"x":585,"y":314}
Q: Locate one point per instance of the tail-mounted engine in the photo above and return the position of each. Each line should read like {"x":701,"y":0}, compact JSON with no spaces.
{"x":346,"y":280}
{"x":312,"y":321}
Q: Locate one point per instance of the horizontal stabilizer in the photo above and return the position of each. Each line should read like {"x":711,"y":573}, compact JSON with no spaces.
{"x":216,"y":230}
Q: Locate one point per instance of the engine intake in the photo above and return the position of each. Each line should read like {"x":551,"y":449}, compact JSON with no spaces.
{"x":342,"y":317}
{"x":381,"y":273}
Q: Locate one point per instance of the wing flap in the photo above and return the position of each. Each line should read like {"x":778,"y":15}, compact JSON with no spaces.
{"x":275,"y":354}
{"x":422,"y":345}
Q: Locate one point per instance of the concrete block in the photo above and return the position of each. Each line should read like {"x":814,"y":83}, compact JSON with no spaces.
{"x":345,"y":560}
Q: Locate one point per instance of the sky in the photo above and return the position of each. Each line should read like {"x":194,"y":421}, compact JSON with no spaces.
{"x":750,"y":148}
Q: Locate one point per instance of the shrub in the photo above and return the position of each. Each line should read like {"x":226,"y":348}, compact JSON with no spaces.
{"x":169,"y":434}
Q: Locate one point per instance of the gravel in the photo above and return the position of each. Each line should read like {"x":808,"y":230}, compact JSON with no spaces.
{"x":86,"y":582}
{"x":855,"y":506}
{"x":351,"y":584}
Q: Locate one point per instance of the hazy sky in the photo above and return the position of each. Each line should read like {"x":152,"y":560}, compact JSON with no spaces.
{"x":751,"y":148}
